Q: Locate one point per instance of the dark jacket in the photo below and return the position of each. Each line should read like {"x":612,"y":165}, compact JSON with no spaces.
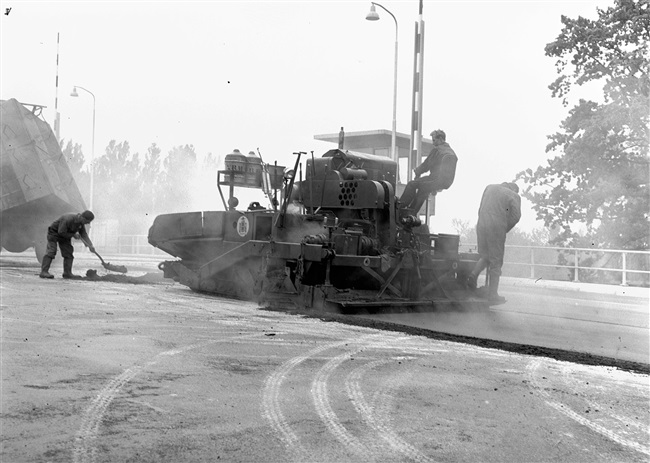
{"x":441,"y":162}
{"x":67,"y":226}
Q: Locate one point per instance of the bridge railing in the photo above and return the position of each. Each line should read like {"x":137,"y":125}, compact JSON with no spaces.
{"x":137,"y":245}
{"x":607,"y":266}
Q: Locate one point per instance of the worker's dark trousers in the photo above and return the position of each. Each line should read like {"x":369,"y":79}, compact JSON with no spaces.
{"x":45,"y":265}
{"x":67,"y":251}
{"x":416,"y":192}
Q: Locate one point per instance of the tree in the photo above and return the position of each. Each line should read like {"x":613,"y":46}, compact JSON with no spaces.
{"x":207,"y":194}
{"x":178,"y":177}
{"x":516,"y":237}
{"x":149,"y":184}
{"x":600,"y":177}
{"x":74,"y":157}
{"x":465,"y":230}
{"x":133,"y":193}
{"x":117,"y":186}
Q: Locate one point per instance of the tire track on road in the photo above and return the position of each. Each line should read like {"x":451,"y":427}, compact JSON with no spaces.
{"x":377,"y":412}
{"x":568,"y":376}
{"x":320,"y":396}
{"x":85,"y":444}
{"x":532,"y":368}
{"x":271,"y":408}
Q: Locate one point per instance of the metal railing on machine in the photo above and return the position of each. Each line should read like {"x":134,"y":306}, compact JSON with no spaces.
{"x":604,"y":266}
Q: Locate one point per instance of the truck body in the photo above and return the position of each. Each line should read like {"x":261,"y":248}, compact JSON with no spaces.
{"x":36,"y":184}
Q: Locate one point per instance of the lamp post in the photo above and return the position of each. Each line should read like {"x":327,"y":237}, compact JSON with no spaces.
{"x":92,"y":152}
{"x":373,"y":16}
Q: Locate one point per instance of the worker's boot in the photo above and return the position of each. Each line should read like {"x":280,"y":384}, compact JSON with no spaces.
{"x":45,"y":267}
{"x":472,"y":278}
{"x":67,"y":268}
{"x":493,"y":286}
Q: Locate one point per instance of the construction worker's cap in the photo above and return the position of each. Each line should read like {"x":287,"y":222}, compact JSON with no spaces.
{"x":438,"y":134}
{"x":89,"y":216}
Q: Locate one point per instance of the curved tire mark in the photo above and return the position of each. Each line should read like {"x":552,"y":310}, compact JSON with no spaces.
{"x":377,"y":412}
{"x":271,"y":409}
{"x":85,"y":448}
{"x":570,"y":380}
{"x":531,"y":369}
{"x":320,"y":396}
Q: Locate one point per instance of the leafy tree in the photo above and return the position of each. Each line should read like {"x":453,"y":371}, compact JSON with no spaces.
{"x":467,"y":233}
{"x":540,"y":236}
{"x":206,"y":197}
{"x":134,"y":191}
{"x":74,"y":157}
{"x":178,"y":178}
{"x":465,"y":229}
{"x":537,"y":237}
{"x":117,"y":188}
{"x":600,"y":176}
{"x":149,"y":184}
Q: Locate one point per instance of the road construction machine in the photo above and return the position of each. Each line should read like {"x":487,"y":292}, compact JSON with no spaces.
{"x":336,"y":239}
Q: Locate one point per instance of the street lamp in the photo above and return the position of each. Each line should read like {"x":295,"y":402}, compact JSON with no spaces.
{"x":373,"y":16}
{"x":92,"y":153}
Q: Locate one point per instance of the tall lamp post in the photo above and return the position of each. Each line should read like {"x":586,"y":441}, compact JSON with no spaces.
{"x":373,"y":16}
{"x":92,"y":153}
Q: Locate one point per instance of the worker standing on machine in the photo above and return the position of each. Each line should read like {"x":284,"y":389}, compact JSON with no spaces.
{"x":61,"y":232}
{"x":499,"y":212}
{"x":441,"y":165}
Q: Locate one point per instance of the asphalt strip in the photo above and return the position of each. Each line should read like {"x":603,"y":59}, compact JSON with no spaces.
{"x":523,"y":349}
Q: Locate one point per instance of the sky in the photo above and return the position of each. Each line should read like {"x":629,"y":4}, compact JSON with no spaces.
{"x":221,"y":75}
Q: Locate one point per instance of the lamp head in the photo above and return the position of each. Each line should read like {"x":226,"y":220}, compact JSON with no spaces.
{"x":74,"y":92}
{"x":372,"y":14}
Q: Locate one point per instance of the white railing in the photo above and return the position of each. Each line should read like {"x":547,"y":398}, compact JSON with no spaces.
{"x":127,"y":244}
{"x":612,"y":266}
{"x":554,"y":263}
{"x":137,"y":244}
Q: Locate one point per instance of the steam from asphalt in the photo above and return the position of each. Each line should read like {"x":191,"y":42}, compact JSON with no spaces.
{"x":546,"y":319}
{"x":494,"y":323}
{"x":478,"y":324}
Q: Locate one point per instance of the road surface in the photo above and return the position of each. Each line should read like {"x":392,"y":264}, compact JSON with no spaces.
{"x":606,"y":325}
{"x":136,"y":370}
